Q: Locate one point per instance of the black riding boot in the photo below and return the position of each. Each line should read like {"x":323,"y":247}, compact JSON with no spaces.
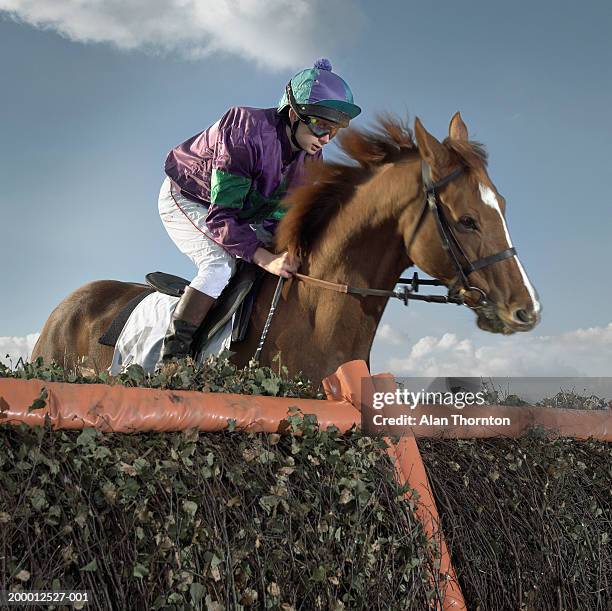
{"x":187,"y":318}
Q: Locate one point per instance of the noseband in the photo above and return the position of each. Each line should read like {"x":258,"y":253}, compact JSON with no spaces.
{"x":451,"y":245}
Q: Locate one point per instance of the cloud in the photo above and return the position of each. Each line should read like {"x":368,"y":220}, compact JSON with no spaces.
{"x":276,"y":34}
{"x":389,"y":335}
{"x":17,"y":347}
{"x":583,"y":352}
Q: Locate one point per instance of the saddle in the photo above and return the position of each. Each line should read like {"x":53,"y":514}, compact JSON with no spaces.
{"x":237,"y":298}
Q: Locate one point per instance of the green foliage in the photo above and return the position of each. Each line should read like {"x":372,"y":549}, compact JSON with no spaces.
{"x":308,"y":520}
{"x":217,"y":374}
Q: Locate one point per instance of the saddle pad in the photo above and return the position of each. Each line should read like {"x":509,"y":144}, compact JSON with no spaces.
{"x":110,"y":336}
{"x":138,"y":331}
{"x":142,"y":338}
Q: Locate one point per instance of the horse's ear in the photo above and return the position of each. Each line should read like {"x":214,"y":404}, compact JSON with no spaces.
{"x":431,"y":151}
{"x":457,"y":130}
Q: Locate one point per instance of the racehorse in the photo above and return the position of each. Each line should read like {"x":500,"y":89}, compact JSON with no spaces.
{"x":394,"y":203}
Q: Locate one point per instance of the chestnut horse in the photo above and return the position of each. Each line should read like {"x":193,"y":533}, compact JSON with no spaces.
{"x":362,"y":224}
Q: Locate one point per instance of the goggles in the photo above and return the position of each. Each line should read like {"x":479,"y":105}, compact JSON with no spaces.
{"x":320,"y":127}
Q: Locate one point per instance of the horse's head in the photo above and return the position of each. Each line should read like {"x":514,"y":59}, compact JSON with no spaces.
{"x":472,"y":210}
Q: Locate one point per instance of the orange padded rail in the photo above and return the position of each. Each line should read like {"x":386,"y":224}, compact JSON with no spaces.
{"x":121,"y":409}
{"x":128,"y":410}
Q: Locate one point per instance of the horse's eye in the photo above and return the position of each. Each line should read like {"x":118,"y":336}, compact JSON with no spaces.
{"x":468,"y":222}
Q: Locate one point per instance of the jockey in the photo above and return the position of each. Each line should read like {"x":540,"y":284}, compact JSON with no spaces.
{"x":220,"y":199}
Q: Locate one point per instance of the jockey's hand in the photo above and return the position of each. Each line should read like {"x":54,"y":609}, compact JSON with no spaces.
{"x":280,"y":265}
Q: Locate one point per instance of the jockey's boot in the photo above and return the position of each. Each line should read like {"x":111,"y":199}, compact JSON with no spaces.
{"x":188,"y":316}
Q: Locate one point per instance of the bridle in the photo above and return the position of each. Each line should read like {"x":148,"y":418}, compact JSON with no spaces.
{"x":463,"y":266}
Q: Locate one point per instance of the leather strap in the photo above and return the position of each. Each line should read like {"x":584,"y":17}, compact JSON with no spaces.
{"x":500,"y":256}
{"x":324,"y":284}
{"x":345,"y":288}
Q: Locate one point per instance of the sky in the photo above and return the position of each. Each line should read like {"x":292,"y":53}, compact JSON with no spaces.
{"x":94,"y":95}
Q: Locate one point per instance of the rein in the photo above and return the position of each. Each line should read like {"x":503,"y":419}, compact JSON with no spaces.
{"x":411,"y":286}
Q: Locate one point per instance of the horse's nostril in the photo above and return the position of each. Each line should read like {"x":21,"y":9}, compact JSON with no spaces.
{"x":524,"y":316}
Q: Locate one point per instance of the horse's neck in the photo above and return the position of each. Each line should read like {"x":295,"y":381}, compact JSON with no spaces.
{"x":364,"y":244}
{"x":362,"y":247}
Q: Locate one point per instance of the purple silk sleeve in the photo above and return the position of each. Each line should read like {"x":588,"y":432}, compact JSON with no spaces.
{"x":231,"y":232}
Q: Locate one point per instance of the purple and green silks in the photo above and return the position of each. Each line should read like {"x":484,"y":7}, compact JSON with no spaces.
{"x":241,"y":167}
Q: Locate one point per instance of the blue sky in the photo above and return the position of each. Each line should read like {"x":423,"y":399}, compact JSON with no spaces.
{"x":93,"y":98}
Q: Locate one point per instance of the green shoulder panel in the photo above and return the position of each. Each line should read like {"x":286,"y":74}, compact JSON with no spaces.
{"x":228,"y":190}
{"x":231,"y":191}
{"x":261,"y":207}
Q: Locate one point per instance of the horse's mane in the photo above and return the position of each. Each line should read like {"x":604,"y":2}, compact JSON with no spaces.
{"x":328,"y":186}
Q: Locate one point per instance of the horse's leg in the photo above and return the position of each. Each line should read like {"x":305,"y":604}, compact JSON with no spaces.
{"x":73,"y":329}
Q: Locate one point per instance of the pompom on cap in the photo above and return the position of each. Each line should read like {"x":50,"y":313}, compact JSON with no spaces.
{"x":323,"y":64}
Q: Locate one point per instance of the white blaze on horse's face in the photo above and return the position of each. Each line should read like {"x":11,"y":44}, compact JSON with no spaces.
{"x":490,"y":199}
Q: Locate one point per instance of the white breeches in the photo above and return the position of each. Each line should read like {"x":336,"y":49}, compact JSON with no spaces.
{"x":184,"y":221}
